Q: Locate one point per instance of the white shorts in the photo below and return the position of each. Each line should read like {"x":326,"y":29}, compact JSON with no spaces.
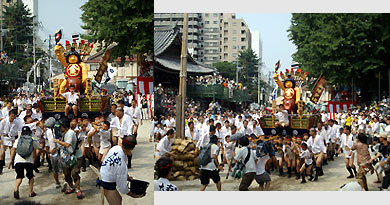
{"x":95,"y":144}
{"x":228,"y":157}
{"x":7,"y":141}
{"x":84,"y":143}
{"x":347,"y":156}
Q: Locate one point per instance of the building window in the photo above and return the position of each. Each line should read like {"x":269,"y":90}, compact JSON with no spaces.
{"x":242,"y":24}
{"x":242,"y":39}
{"x":215,"y":15}
{"x":235,"y":55}
{"x":234,"y":39}
{"x":207,"y":15}
{"x":234,"y":47}
{"x":234,"y":23}
{"x":242,"y":31}
{"x":242,"y":47}
{"x":234,"y":32}
{"x":215,"y":22}
{"x":207,"y":22}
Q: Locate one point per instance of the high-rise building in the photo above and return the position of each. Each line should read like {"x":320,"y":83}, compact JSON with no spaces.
{"x":235,"y":37}
{"x":212,"y":37}
{"x":195,"y":30}
{"x":257,"y":44}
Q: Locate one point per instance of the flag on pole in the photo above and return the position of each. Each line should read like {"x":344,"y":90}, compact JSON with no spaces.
{"x":111,"y":71}
{"x":58,"y":36}
{"x":277,"y":65}
{"x":274,"y":92}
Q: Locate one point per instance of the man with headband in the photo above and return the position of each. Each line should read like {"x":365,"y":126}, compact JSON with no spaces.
{"x":114,"y":172}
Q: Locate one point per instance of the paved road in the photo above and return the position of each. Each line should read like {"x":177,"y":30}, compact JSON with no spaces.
{"x":47,"y":193}
{"x":335,"y":176}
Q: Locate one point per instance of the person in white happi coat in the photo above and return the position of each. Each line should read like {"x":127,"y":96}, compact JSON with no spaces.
{"x":245,"y":129}
{"x":123,"y":124}
{"x":191,"y":132}
{"x":347,"y":143}
{"x":9,"y":131}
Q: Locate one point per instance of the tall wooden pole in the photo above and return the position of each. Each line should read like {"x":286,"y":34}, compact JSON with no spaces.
{"x":180,"y":124}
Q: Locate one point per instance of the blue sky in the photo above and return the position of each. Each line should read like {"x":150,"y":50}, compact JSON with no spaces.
{"x":56,"y":14}
{"x":273,"y":32}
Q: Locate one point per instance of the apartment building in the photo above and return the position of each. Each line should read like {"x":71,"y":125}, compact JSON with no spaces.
{"x":212,"y":37}
{"x":235,"y":37}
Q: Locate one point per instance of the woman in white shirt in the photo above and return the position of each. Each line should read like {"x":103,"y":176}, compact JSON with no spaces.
{"x":346,"y":144}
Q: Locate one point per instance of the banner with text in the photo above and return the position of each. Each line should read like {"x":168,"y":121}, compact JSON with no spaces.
{"x":318,"y":90}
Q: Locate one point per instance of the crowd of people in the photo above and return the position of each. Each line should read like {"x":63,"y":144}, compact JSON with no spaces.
{"x":361,"y":132}
{"x":5,"y":59}
{"x":215,"y":80}
{"x":70,"y":144}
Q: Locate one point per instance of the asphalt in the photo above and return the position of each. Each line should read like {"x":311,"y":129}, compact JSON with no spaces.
{"x":335,"y":175}
{"x":44,"y":184}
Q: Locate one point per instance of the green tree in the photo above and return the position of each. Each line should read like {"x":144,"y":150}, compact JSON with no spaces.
{"x":19,"y":22}
{"x":249,"y":61}
{"x":127,"y":23}
{"x":226,"y":69}
{"x":342,"y":46}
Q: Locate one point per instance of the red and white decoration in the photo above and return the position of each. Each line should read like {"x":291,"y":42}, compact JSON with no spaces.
{"x":150,"y":99}
{"x":337,"y":107}
{"x":144,"y":85}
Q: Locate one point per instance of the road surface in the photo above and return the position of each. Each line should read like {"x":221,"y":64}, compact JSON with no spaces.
{"x":335,"y":175}
{"x":44,"y":184}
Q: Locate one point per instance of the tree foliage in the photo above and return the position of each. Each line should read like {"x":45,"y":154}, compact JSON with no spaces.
{"x":19,"y":23}
{"x":342,"y":46}
{"x":226,"y":69}
{"x":127,"y":23}
{"x":249,"y":61}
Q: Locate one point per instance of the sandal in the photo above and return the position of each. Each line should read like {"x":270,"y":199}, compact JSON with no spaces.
{"x":33,"y":194}
{"x":16,"y":194}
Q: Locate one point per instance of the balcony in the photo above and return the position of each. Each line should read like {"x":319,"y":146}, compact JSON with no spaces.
{"x":216,"y":92}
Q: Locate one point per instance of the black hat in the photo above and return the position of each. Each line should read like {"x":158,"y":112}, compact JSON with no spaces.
{"x":73,"y":52}
{"x":26,"y":130}
{"x":289,"y":79}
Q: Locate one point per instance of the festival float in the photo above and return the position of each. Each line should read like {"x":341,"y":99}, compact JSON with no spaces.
{"x":76,"y":73}
{"x":299,"y":121}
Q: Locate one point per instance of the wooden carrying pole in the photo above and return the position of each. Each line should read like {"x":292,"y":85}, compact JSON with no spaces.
{"x":180,"y":124}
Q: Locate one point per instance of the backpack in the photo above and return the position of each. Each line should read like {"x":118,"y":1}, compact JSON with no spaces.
{"x":238,"y":170}
{"x":67,"y":158}
{"x":204,"y":156}
{"x":261,"y":150}
{"x":25,"y":146}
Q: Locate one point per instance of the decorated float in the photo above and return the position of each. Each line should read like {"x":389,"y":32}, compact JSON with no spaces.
{"x":299,"y":121}
{"x":76,"y":73}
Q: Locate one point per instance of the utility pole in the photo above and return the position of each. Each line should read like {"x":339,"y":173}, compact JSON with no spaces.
{"x":388,"y":94}
{"x":1,"y":24}
{"x":35,"y":72}
{"x":258,"y":82}
{"x":50,"y":68}
{"x":181,"y":98}
{"x":379,"y":86}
